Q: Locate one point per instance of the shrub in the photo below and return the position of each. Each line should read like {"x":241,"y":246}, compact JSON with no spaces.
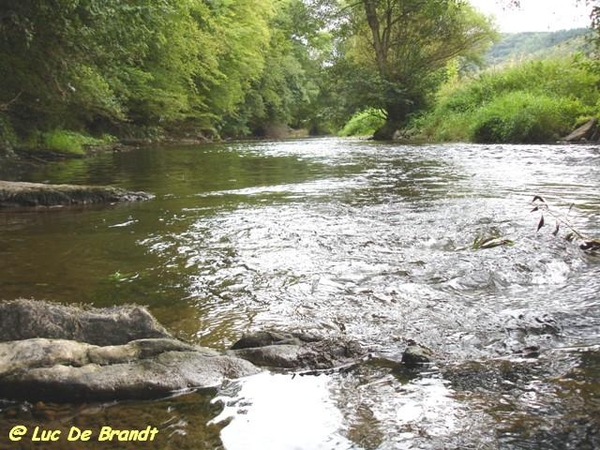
{"x":364,"y":123}
{"x":64,"y":142}
{"x":538,"y":101}
{"x":523,"y":117}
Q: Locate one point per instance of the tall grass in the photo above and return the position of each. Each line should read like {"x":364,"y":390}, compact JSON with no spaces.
{"x":537,"y":101}
{"x":525,"y":117}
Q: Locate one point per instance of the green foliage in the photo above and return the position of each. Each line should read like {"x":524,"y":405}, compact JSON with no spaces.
{"x":403,"y":47}
{"x":61,"y":141}
{"x":65,"y":142}
{"x":364,"y":123}
{"x":239,"y":37}
{"x":8,"y":138}
{"x":288,"y":87}
{"x":109,"y":65}
{"x":524,"y":117}
{"x":537,"y":101}
{"x":143,"y":68}
{"x":79,"y":63}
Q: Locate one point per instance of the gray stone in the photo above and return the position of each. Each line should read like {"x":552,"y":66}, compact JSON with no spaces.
{"x":65,"y":353}
{"x":584,"y":132}
{"x":18,"y":194}
{"x":264,"y":338}
{"x":62,"y":370}
{"x":416,"y":355}
{"x":296,"y":350}
{"x":25,"y":319}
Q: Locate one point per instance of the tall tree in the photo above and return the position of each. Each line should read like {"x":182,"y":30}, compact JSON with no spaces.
{"x":85,"y":63}
{"x":402,"y":47}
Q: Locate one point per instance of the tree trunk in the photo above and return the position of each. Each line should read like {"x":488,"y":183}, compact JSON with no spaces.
{"x":396,"y":118}
{"x":378,"y":45}
{"x":386,"y":132}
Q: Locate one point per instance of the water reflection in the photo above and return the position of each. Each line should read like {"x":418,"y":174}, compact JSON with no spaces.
{"x":396,"y":409}
{"x":280,"y":412}
{"x":367,"y":407}
{"x":536,"y":403}
{"x":181,"y":422}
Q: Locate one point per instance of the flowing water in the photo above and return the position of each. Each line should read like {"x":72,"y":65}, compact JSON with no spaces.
{"x":374,"y":241}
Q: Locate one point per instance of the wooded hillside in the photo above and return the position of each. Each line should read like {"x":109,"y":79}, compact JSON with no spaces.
{"x":514,"y":47}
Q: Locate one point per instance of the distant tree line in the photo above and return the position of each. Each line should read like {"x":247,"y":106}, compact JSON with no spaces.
{"x":149,"y":68}
{"x":514,"y":47}
{"x":142,"y":66}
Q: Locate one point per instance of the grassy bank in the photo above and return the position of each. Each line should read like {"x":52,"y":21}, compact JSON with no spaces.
{"x":62,"y":143}
{"x":535,"y":102}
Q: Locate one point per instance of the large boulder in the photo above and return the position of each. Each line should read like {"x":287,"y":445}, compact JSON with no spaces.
{"x":25,"y":319}
{"x":62,"y":370}
{"x":16,"y":194}
{"x":64,"y":353}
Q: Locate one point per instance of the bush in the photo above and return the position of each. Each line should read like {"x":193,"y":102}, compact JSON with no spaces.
{"x":537,"y":101}
{"x":65,"y":142}
{"x":522,"y":117}
{"x":364,"y":123}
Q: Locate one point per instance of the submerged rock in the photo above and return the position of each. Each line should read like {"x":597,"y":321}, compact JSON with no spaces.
{"x":267,"y":338}
{"x":296,"y":350}
{"x":416,"y":355}
{"x":18,"y":194}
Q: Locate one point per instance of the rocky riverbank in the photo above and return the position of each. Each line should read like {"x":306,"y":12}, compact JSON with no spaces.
{"x":64,"y":353}
{"x":20,"y":194}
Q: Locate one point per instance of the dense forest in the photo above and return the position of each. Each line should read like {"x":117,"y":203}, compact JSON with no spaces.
{"x":75,"y":72}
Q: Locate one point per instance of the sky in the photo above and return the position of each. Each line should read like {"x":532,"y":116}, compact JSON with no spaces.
{"x":536,"y":15}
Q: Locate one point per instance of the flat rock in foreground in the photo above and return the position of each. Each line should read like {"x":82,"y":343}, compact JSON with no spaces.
{"x":65,"y":371}
{"x":25,"y":319}
{"x":65,"y":353}
{"x":18,"y":194}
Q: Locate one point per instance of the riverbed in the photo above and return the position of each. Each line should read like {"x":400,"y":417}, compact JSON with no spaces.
{"x":336,"y":236}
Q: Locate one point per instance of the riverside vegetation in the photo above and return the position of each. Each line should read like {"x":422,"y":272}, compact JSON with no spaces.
{"x":76,"y":73}
{"x":535,"y":94}
{"x":534,"y":102}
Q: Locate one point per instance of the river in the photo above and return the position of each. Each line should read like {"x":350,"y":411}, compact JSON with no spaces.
{"x":337,"y":236}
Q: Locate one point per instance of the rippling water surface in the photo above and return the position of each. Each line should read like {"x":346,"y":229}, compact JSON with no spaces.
{"x":341,"y":236}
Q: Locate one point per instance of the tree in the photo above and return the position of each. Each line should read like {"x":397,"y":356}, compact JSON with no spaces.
{"x":83,"y":64}
{"x":402,"y":48}
{"x":285,"y":92}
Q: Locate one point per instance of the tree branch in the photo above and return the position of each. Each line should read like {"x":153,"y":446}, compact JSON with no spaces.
{"x":6,"y":106}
